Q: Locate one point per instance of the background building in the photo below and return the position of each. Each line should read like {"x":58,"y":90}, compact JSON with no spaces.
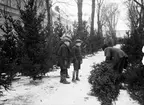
{"x":10,"y":7}
{"x":57,"y":12}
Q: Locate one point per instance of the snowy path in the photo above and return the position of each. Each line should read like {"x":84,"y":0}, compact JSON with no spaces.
{"x":50,"y":92}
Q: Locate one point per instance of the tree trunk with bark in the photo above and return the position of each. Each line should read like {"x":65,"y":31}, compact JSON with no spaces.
{"x":99,"y":9}
{"x":79,"y":5}
{"x":98,"y":19}
{"x":92,"y":18}
{"x":48,"y":6}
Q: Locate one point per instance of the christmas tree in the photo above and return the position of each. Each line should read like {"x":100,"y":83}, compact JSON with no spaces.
{"x":8,"y":53}
{"x":32,"y":37}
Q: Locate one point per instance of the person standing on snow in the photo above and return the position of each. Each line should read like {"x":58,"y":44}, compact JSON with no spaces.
{"x":70,"y":55}
{"x":77,"y":60}
{"x":64,"y":59}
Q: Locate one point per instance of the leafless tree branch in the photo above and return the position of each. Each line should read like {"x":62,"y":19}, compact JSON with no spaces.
{"x":66,"y":3}
{"x":139,"y":3}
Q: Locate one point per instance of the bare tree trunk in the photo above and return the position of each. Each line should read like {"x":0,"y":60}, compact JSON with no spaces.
{"x":99,"y":24}
{"x":92,"y":18}
{"x":98,"y":19}
{"x":48,"y":5}
{"x":79,"y":5}
{"x":142,"y":6}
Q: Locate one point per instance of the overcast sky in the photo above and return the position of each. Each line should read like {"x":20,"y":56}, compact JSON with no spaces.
{"x":71,"y":10}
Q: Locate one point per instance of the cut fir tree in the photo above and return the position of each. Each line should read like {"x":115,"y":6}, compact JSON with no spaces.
{"x":105,"y":84}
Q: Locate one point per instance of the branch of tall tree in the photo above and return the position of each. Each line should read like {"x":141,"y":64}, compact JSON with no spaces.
{"x":67,"y":3}
{"x":25,"y":2}
{"x":17,"y":2}
{"x":139,"y":12}
{"x":100,"y":2}
{"x":40,"y":3}
{"x":139,"y":3}
{"x":92,"y":17}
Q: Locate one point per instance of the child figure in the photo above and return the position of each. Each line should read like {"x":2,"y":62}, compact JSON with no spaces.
{"x":64,"y":58}
{"x":77,"y":60}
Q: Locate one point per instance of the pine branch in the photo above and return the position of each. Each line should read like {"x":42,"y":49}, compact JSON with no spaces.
{"x":3,"y":29}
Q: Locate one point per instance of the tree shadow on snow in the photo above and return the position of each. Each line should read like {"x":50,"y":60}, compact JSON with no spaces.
{"x":34,"y":82}
{"x":52,"y":76}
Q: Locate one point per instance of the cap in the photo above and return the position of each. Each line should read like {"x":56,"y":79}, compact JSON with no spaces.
{"x":66,"y":39}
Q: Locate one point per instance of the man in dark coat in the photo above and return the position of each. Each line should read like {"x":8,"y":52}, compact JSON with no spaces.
{"x":118,"y":60}
{"x":116,"y":57}
{"x":64,"y":59}
{"x":77,"y":59}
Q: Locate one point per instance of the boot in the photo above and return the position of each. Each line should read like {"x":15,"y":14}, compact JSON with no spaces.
{"x":77,"y":74}
{"x":73,"y":78}
{"x":67,"y":76}
{"x":63,"y":79}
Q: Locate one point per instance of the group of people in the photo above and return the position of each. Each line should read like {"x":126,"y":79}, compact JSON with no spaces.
{"x":69,"y":52}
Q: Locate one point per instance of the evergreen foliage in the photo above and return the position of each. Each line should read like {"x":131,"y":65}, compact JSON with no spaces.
{"x":91,"y":43}
{"x":31,"y":34}
{"x":95,"y":43}
{"x":132,"y":45}
{"x":83,"y":36}
{"x":134,"y":78}
{"x":8,"y":53}
{"x":59,"y":28}
{"x":104,"y":83}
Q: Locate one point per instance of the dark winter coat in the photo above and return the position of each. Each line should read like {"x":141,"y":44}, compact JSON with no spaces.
{"x":115,"y":56}
{"x":64,"y":56}
{"x":77,"y":57}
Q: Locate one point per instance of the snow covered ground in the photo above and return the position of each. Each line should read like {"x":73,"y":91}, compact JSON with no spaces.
{"x":49,"y":91}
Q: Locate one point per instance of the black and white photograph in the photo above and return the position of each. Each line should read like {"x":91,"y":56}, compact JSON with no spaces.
{"x":71,"y":52}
